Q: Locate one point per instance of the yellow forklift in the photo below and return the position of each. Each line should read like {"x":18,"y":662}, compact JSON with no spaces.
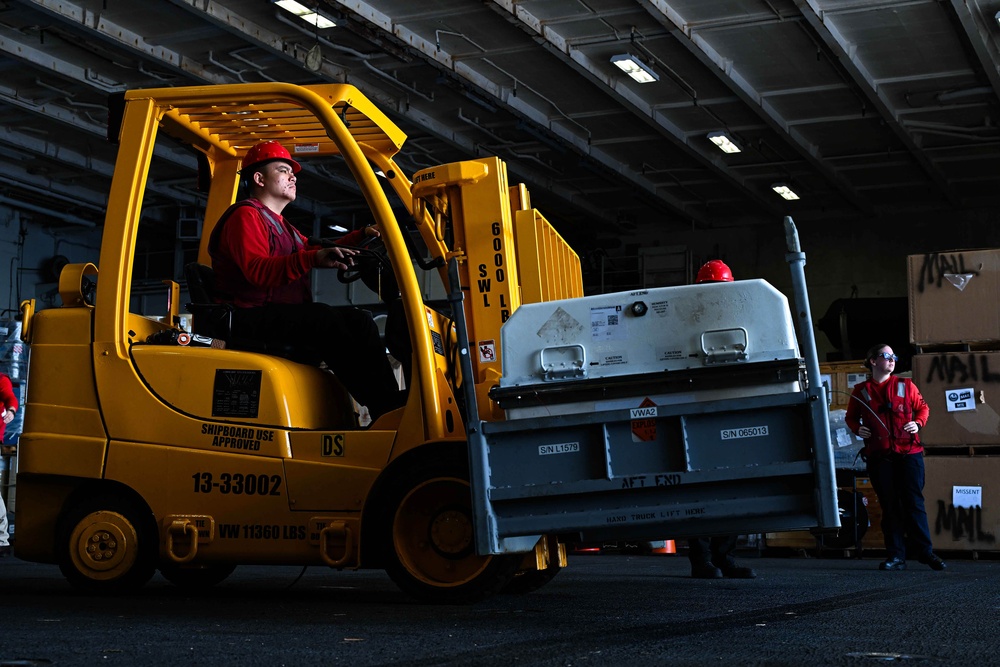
{"x":193,"y":459}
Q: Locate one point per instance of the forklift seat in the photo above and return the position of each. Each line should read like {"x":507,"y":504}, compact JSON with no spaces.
{"x":215,"y":320}
{"x":211,"y":319}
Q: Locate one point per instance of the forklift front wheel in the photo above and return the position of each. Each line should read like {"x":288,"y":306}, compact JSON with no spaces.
{"x":107,"y":547}
{"x":432,"y":547}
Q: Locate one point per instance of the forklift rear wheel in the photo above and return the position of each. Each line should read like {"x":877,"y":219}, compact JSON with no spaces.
{"x":108,"y":546}
{"x":194,"y":577}
{"x":429,"y":530}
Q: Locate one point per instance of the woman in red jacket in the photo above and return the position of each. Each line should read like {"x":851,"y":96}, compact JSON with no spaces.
{"x":888,"y":412}
{"x":9,"y":405}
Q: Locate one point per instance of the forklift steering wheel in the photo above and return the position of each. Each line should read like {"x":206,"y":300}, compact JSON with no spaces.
{"x":363,"y":261}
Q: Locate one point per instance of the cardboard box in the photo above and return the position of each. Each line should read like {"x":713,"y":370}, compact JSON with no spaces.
{"x":953,"y":297}
{"x":962,"y":496}
{"x":962,"y":390}
{"x":840,"y":378}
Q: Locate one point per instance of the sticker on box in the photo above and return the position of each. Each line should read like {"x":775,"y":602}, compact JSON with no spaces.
{"x":663,"y":354}
{"x":957,"y":400}
{"x":606,"y":323}
{"x":967,"y":496}
{"x":959,"y":280}
{"x":614,"y":359}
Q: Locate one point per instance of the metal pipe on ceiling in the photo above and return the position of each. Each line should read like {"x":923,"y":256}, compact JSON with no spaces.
{"x":34,"y":208}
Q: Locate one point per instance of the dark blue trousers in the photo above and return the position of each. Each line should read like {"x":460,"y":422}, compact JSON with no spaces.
{"x":898,"y":480}
{"x":346,"y":338}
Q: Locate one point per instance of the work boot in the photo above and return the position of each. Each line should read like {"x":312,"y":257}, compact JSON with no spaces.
{"x":705,"y":571}
{"x":934,"y":561}
{"x":732,"y":570}
{"x":894,"y":564}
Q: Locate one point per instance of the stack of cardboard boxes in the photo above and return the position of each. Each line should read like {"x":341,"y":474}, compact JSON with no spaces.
{"x":954,"y":300}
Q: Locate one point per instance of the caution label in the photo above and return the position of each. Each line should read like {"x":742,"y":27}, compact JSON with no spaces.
{"x":644,"y":421}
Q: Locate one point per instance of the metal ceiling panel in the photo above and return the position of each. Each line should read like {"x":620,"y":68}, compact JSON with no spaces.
{"x":863,"y":107}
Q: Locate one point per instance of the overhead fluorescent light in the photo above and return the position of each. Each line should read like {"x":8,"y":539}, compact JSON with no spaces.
{"x":722,"y":140}
{"x":785,"y":191}
{"x":310,"y":16}
{"x":635,"y":68}
{"x":997,"y":17}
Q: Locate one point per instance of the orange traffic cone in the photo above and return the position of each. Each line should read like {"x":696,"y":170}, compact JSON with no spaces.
{"x":668,"y":547}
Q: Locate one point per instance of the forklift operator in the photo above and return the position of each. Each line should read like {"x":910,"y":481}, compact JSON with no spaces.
{"x":262,"y":266}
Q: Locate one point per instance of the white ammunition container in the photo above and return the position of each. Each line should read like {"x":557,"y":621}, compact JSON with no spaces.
{"x":713,"y":327}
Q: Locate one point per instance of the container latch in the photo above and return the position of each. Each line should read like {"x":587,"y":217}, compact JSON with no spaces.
{"x":723,"y":346}
{"x":560,"y":362}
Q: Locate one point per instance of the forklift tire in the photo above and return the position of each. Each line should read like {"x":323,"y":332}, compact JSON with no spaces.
{"x":195,"y":577}
{"x":107,"y":545}
{"x":428,"y":534}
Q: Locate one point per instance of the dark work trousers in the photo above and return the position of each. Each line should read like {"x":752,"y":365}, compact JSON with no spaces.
{"x":898,"y":480}
{"x":397,"y":337}
{"x":715,"y":550}
{"x":346,"y":338}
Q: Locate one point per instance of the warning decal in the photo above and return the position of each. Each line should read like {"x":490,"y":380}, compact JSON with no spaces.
{"x":644,"y":421}
{"x":487,"y":351}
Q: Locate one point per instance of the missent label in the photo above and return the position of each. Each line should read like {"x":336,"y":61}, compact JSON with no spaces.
{"x":744,"y":432}
{"x":560,"y":448}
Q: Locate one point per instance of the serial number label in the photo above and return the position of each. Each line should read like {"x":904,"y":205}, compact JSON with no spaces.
{"x":236,"y":483}
{"x":561,"y":448}
{"x":261,"y":531}
{"x":745,"y":432}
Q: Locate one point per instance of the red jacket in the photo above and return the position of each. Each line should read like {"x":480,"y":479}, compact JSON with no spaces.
{"x":259,"y":258}
{"x":8,"y":399}
{"x":884,"y":408}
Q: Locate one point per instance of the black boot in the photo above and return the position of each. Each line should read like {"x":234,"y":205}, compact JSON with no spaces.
{"x":705,"y":570}
{"x":732,"y":570}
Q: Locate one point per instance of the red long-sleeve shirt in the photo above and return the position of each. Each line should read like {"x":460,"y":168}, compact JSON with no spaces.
{"x":259,"y":258}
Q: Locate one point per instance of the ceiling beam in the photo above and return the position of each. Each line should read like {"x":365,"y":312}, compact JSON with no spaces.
{"x":393,"y":104}
{"x":514,"y":95}
{"x":982,"y":41}
{"x":823,"y":24}
{"x":729,"y":74}
{"x":599,"y":73}
{"x":119,"y":35}
{"x":236,"y":24}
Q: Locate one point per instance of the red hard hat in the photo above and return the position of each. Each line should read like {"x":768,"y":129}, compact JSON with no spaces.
{"x":714,"y":271}
{"x":268,"y":151}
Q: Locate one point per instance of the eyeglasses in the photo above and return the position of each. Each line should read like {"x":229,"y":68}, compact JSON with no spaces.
{"x":887,"y":356}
